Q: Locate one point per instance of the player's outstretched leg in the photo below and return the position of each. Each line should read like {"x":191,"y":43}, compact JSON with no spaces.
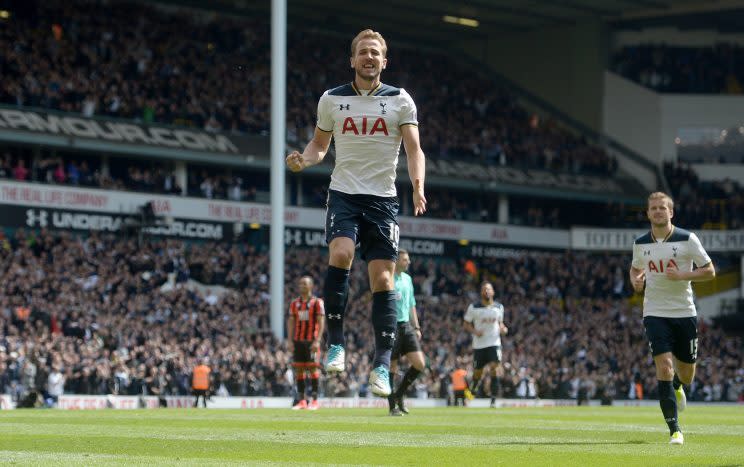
{"x":384,"y":322}
{"x":336,"y":295}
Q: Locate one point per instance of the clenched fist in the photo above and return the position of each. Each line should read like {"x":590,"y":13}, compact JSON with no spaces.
{"x":295,"y":162}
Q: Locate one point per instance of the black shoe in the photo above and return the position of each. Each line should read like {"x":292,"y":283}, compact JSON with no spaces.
{"x":391,"y":402}
{"x":394,"y":412}
{"x":401,"y":405}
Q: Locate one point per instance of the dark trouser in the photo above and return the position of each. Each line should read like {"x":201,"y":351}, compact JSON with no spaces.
{"x":460,"y":398}
{"x":203,"y":394}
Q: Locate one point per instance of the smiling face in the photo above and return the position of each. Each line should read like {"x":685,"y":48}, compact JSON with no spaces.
{"x":369,"y":59}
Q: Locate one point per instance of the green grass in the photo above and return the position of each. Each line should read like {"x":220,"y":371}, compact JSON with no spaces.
{"x":447,"y":436}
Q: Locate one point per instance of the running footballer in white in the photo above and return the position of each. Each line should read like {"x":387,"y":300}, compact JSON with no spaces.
{"x":368,"y":120}
{"x":665,"y":261}
{"x":485,"y":321}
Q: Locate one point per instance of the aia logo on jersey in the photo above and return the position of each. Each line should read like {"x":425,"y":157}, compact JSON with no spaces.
{"x":350,"y":126}
{"x":303,"y":315}
{"x":489,"y":320}
{"x":653,"y":266}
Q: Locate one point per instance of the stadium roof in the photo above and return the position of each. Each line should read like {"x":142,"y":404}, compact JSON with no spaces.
{"x":423,"y":20}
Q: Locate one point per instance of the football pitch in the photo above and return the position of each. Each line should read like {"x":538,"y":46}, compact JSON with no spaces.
{"x":442,"y":436}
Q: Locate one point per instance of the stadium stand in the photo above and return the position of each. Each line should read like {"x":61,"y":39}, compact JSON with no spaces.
{"x":125,"y":319}
{"x":134,"y":62}
{"x":118,"y":317}
{"x":715,"y":69}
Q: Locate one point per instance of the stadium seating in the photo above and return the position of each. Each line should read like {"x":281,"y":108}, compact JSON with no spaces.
{"x":123,"y":319}
{"x":134,"y":61}
{"x":715,"y":69}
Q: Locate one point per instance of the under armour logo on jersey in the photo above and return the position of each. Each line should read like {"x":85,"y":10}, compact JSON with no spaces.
{"x":674,"y":249}
{"x":391,"y":335}
{"x":646,"y":252}
{"x":332,"y":316}
{"x":383,"y":104}
{"x":341,"y":106}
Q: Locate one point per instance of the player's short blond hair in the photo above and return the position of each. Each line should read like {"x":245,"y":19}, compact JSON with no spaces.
{"x":661,"y":195}
{"x":369,"y":34}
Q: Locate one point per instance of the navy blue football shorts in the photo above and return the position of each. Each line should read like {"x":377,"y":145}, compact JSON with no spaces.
{"x":370,"y":221}
{"x":675,"y":335}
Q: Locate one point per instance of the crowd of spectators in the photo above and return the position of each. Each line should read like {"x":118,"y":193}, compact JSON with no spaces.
{"x":149,"y":177}
{"x":717,"y":69}
{"x":104,"y":315}
{"x":126,"y":174}
{"x":709,"y":205}
{"x":714,"y":205}
{"x":131,"y":60}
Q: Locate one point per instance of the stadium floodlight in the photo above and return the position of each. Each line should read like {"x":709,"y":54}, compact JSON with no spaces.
{"x":469,"y":22}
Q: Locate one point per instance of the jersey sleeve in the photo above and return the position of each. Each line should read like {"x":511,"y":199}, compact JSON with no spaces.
{"x":637,"y":260}
{"x":699,"y":255}
{"x":469,"y":314}
{"x":407,"y":110}
{"x":321,"y":307}
{"x":325,"y":118}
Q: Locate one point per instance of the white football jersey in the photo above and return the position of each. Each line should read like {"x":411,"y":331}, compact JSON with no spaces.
{"x":367,"y":135}
{"x":663,"y":297}
{"x":487,"y":319}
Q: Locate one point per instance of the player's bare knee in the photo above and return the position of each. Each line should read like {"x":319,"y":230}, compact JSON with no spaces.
{"x":381,"y":280}
{"x":664,"y":372}
{"x":686,"y":374}
{"x":417,"y":360}
{"x":341,"y":257}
